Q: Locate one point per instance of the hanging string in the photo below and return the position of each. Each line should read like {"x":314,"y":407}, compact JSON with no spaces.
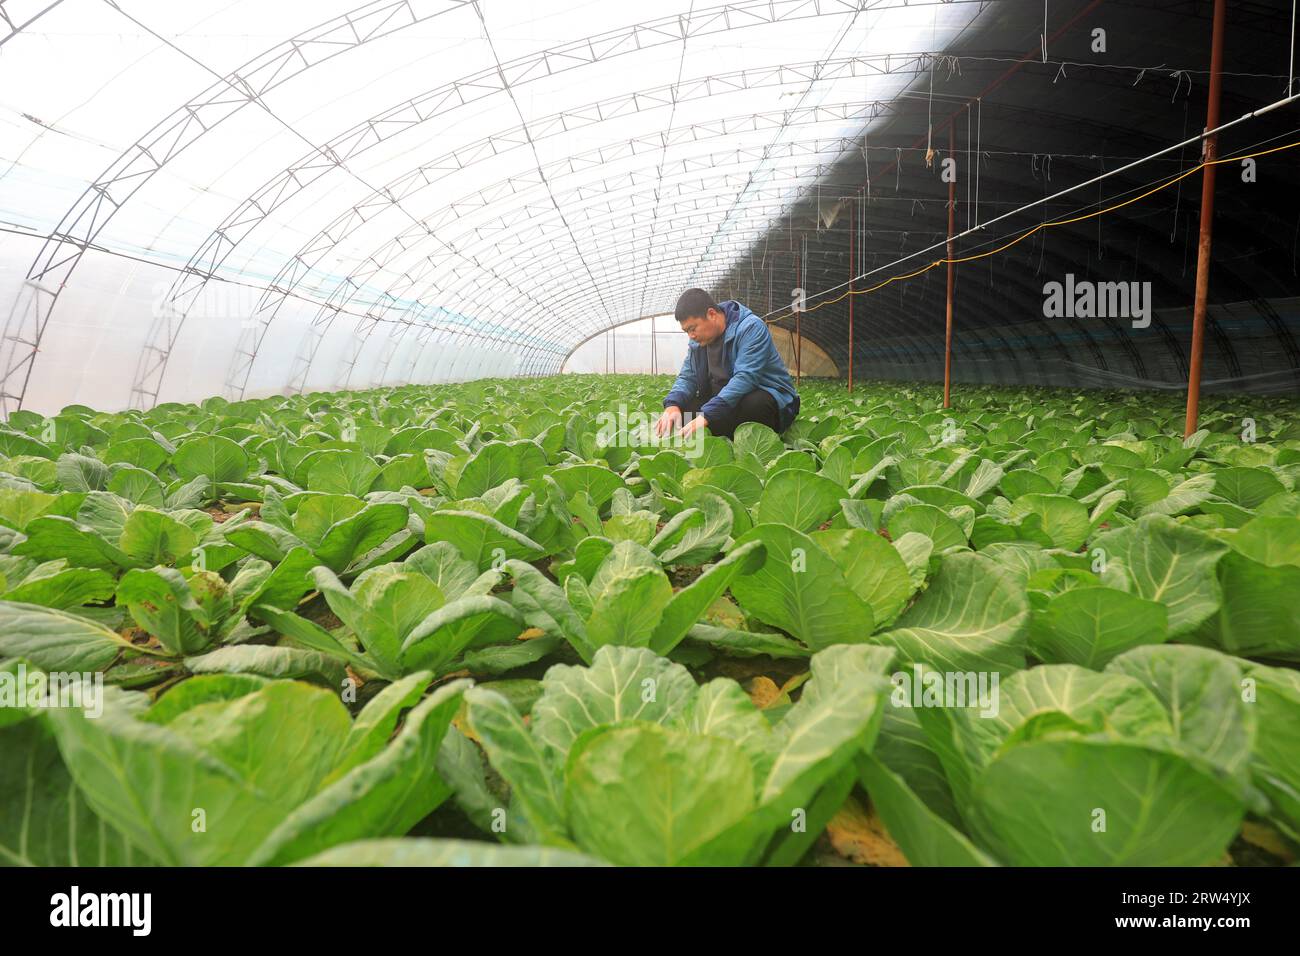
{"x":967,"y":176}
{"x":979,"y":117}
{"x":862,"y":224}
{"x":1044,"y":33}
{"x":929,"y":109}
{"x":866,"y":160}
{"x":1178,"y":83}
{"x":929,"y":123}
{"x":1290,"y":74}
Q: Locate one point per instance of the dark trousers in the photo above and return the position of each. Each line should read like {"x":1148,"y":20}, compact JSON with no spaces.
{"x":757,"y":406}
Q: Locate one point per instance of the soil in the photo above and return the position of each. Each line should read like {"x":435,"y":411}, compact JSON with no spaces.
{"x":744,"y":669}
{"x":318,"y":612}
{"x":683,"y":576}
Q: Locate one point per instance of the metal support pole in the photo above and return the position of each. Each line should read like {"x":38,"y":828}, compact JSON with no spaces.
{"x":852,"y":203}
{"x":1207,"y":222}
{"x":947,"y":342}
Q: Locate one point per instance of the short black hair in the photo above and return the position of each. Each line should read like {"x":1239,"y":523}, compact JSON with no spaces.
{"x":694,"y":304}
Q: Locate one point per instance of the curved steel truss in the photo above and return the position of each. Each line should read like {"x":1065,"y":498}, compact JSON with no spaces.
{"x":188,"y":126}
{"x":536,"y":181}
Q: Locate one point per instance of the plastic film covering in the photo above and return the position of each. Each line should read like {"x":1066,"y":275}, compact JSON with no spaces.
{"x":247,"y":198}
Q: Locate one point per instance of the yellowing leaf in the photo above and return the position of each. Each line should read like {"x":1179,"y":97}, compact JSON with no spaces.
{"x":857,"y":833}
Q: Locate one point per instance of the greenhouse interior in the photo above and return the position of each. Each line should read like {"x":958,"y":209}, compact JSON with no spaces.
{"x":482,"y":433}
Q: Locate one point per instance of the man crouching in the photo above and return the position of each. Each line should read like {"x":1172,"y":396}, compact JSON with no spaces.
{"x":732,"y":372}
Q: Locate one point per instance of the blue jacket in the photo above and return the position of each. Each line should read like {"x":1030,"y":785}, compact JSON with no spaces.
{"x":754,"y":361}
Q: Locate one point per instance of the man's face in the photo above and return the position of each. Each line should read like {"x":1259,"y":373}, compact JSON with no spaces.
{"x":705,"y":329}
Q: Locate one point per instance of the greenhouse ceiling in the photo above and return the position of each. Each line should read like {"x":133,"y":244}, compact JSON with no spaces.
{"x":248,"y":199}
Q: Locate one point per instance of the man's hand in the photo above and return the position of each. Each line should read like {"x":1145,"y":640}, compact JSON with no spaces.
{"x":669,"y":421}
{"x":694,"y":425}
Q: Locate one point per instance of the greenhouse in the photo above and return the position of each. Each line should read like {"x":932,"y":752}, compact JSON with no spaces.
{"x":782,"y":433}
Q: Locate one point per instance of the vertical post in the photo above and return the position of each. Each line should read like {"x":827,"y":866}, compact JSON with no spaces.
{"x":798,"y":336}
{"x":852,"y":202}
{"x":947,"y":341}
{"x":1207,"y":221}
{"x":613,"y":345}
{"x":654,"y":349}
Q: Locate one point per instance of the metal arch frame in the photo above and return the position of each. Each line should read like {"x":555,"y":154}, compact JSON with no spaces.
{"x":670,"y":285}
{"x":457,"y":305}
{"x":328,"y":238}
{"x":67,"y":243}
{"x":422,"y":334}
{"x":417,"y":353}
{"x":377,"y":256}
{"x":527,"y":355}
{"x":234,"y":91}
{"x":528,"y":350}
{"x":602,"y":193}
{"x":1033,"y":348}
{"x":13,"y":30}
{"x":425,"y":334}
{"x":423,"y":337}
{"x":390,"y":347}
{"x":624,"y":322}
{"x":464,"y":91}
{"x":711,"y":276}
{"x":395,"y":289}
{"x":211,"y":254}
{"x":422,"y":341}
{"x":561,"y":265}
{"x":1282,"y":334}
{"x":400,"y":330}
{"x":529,"y":358}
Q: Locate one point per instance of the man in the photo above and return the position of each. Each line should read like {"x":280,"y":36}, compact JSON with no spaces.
{"x":732,"y":372}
